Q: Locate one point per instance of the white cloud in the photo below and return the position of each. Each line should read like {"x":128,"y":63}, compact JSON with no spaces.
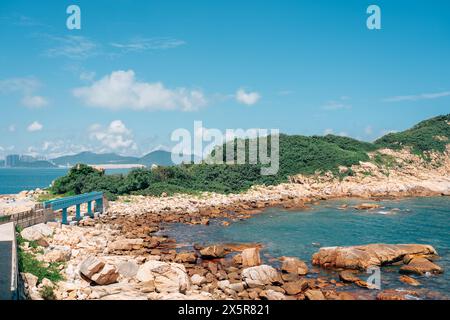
{"x":423,"y":96}
{"x":12,"y":128}
{"x":115,"y":137}
{"x":34,"y":101}
{"x":387,"y":131}
{"x":121,"y":90}
{"x":143,"y":44}
{"x":337,"y":104}
{"x":26,"y":87}
{"x":87,"y":76}
{"x":73,"y":47}
{"x":248,"y":98}
{"x":328,"y":131}
{"x":35,"y":126}
{"x":368,"y":130}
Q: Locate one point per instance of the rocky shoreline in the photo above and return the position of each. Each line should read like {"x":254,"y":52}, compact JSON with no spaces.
{"x":123,"y":260}
{"x":120,"y":255}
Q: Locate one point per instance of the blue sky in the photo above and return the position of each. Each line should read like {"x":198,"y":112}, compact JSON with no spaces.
{"x":137,"y":70}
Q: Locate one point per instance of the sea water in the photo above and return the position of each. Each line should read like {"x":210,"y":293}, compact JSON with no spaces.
{"x":14,"y":180}
{"x":301,"y":233}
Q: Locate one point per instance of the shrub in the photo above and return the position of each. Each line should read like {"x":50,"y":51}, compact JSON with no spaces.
{"x":47,"y":293}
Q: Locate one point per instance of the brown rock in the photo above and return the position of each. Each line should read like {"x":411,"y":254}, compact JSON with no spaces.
{"x":186,"y":257}
{"x":237,"y":259}
{"x":410,"y":281}
{"x":148,"y":286}
{"x":260,"y":275}
{"x":346,"y":296}
{"x":361,"y":257}
{"x":90,"y":266}
{"x":271,"y":295}
{"x":420,"y":266}
{"x":395,"y":295}
{"x":293,"y":288}
{"x":107,"y":275}
{"x":216,"y":251}
{"x":294,"y":265}
{"x":253,"y":295}
{"x":367,"y":206}
{"x":126,"y":244}
{"x":350,"y":277}
{"x":42,"y":243}
{"x":314,"y":295}
{"x":250,"y":257}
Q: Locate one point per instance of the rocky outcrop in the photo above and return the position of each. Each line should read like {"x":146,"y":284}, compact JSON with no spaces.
{"x":97,"y":271}
{"x":128,"y":269}
{"x":362,"y":257}
{"x":314,"y":295}
{"x":294,"y":266}
{"x":367,"y":206}
{"x":391,"y":294}
{"x":211,"y":252}
{"x":271,"y":295}
{"x":90,"y":266}
{"x":167,"y":277}
{"x":350,"y":277}
{"x":126,"y":244}
{"x":260,"y":276}
{"x":36,"y":232}
{"x":409,"y":280}
{"x":250,"y":257}
{"x":420,"y":266}
{"x":58,"y":254}
{"x":107,"y":275}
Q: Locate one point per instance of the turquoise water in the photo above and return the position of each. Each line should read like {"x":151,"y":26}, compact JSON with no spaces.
{"x":300,"y":233}
{"x":14,"y":180}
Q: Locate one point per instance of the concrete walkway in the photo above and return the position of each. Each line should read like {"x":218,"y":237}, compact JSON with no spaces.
{"x":8,"y":262}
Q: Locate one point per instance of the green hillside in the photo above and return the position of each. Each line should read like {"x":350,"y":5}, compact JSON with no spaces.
{"x":428,"y":135}
{"x":298,"y":155}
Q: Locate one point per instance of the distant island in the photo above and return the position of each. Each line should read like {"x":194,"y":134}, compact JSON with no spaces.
{"x":106,"y":160}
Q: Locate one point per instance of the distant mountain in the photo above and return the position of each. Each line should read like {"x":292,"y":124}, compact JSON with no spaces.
{"x":34,"y":164}
{"x":94,"y":158}
{"x":158,"y":157}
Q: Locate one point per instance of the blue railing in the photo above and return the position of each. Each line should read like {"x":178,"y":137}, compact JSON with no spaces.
{"x":77,"y":201}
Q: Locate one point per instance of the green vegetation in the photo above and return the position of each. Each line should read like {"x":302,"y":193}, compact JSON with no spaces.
{"x":429,"y":135}
{"x":47,"y":293}
{"x":48,"y":196}
{"x":384,"y":160}
{"x":298,"y":155}
{"x":28,"y":262}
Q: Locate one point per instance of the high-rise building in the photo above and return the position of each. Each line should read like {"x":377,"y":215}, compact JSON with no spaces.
{"x":12,"y":160}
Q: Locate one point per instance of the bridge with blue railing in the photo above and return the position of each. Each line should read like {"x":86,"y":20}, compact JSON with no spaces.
{"x":76,"y":201}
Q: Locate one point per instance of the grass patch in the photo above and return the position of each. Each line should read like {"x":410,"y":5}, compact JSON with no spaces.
{"x":384,"y":160}
{"x":29,"y":264}
{"x":47,"y":293}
